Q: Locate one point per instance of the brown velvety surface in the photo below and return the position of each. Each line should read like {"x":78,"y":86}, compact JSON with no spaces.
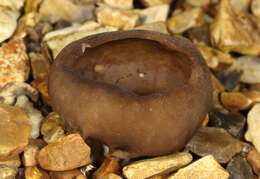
{"x":142,"y":92}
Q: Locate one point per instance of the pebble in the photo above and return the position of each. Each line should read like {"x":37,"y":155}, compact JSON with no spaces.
{"x":253,"y":122}
{"x":149,"y":167}
{"x":110,"y":165}
{"x":41,"y":84}
{"x":238,"y":168}
{"x":14,"y":64}
{"x":229,"y":78}
{"x":155,"y":26}
{"x":255,"y":7}
{"x":253,"y":158}
{"x":233,"y":123}
{"x":57,"y":40}
{"x":200,"y":35}
{"x":71,"y":11}
{"x":235,"y":101}
{"x":13,"y":161}
{"x":216,"y":59}
{"x":205,"y":168}
{"x":35,"y":173}
{"x":253,"y":95}
{"x":8,"y":171}
{"x":34,"y":115}
{"x":14,"y":129}
{"x":154,"y":14}
{"x":185,"y":20}
{"x":39,"y":63}
{"x":214,"y":141}
{"x":155,"y":2}
{"x":65,"y":175}
{"x":67,"y":153}
{"x":119,"y":18}
{"x":230,"y":33}
{"x":122,"y":4}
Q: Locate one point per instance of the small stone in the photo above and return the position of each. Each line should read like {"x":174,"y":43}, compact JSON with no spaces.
{"x":200,"y":34}
{"x":186,"y":20}
{"x":216,"y":59}
{"x":216,"y":142}
{"x":253,"y":122}
{"x":41,"y":84}
{"x":13,"y":161}
{"x":40,"y":65}
{"x":119,"y":18}
{"x":52,"y":128}
{"x":235,"y":31}
{"x":204,"y":168}
{"x":65,"y":175}
{"x":149,"y":167}
{"x":229,"y":78}
{"x":57,"y":40}
{"x":255,"y":7}
{"x":12,"y":90}
{"x":30,"y":154}
{"x":35,"y":173}
{"x":253,"y":95}
{"x":112,"y":176}
{"x":154,"y":14}
{"x":110,"y":165}
{"x":122,"y":4}
{"x":8,"y":171}
{"x":14,"y":129}
{"x":253,"y":158}
{"x":234,"y":123}
{"x":35,"y":117}
{"x":156,"y":2}
{"x":156,"y":26}
{"x":72,"y":11}
{"x":14,"y":64}
{"x":67,"y":153}
{"x":235,"y":101}
{"x":250,"y":68}
{"x":239,"y":168}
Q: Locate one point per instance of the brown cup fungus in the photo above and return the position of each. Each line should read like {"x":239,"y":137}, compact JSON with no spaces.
{"x":140,"y":92}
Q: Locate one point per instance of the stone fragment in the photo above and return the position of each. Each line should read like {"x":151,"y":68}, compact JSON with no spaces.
{"x":35,"y":117}
{"x":52,"y":128}
{"x":239,"y":168}
{"x":235,"y":101}
{"x":235,"y":31}
{"x":11,"y":91}
{"x":153,"y":14}
{"x":14,"y":129}
{"x":216,"y":59}
{"x":253,"y":95}
{"x":155,"y":2}
{"x":233,"y":123}
{"x":67,"y":153}
{"x":39,"y":63}
{"x":216,"y":142}
{"x":200,"y":34}
{"x":250,"y":68}
{"x":57,"y":40}
{"x":229,"y":78}
{"x":253,"y":158}
{"x":110,"y":165}
{"x":30,"y":155}
{"x":8,"y":171}
{"x":149,"y":167}
{"x":253,"y":122}
{"x":14,"y":64}
{"x":41,"y":84}
{"x":35,"y":173}
{"x":119,"y":18}
{"x":156,"y":26}
{"x":13,"y":161}
{"x":72,"y":11}
{"x":122,"y":4}
{"x":189,"y":18}
{"x":65,"y":175}
{"x":255,"y":7}
{"x":204,"y":168}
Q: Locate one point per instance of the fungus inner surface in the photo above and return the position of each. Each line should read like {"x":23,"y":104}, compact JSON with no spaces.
{"x":138,"y":66}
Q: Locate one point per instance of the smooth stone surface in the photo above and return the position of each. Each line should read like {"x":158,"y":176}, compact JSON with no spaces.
{"x":67,"y":153}
{"x":234,"y":123}
{"x":235,"y":101}
{"x":65,"y":175}
{"x":8,"y":171}
{"x":229,"y":78}
{"x":238,"y":168}
{"x":253,"y":122}
{"x":72,"y":11}
{"x":185,"y":20}
{"x":57,"y":40}
{"x":11,"y":91}
{"x":155,"y":2}
{"x":216,"y":142}
{"x":34,"y":173}
{"x":14,"y":64}
{"x":39,"y":63}
{"x":200,"y":35}
{"x":204,"y":168}
{"x":253,"y":95}
{"x":30,"y":154}
{"x":253,"y":158}
{"x":149,"y":167}
{"x":14,"y":129}
{"x":122,"y":4}
{"x":255,"y":7}
{"x":119,"y":18}
{"x":156,"y":26}
{"x":13,"y":161}
{"x":110,"y":165}
{"x":230,"y":33}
